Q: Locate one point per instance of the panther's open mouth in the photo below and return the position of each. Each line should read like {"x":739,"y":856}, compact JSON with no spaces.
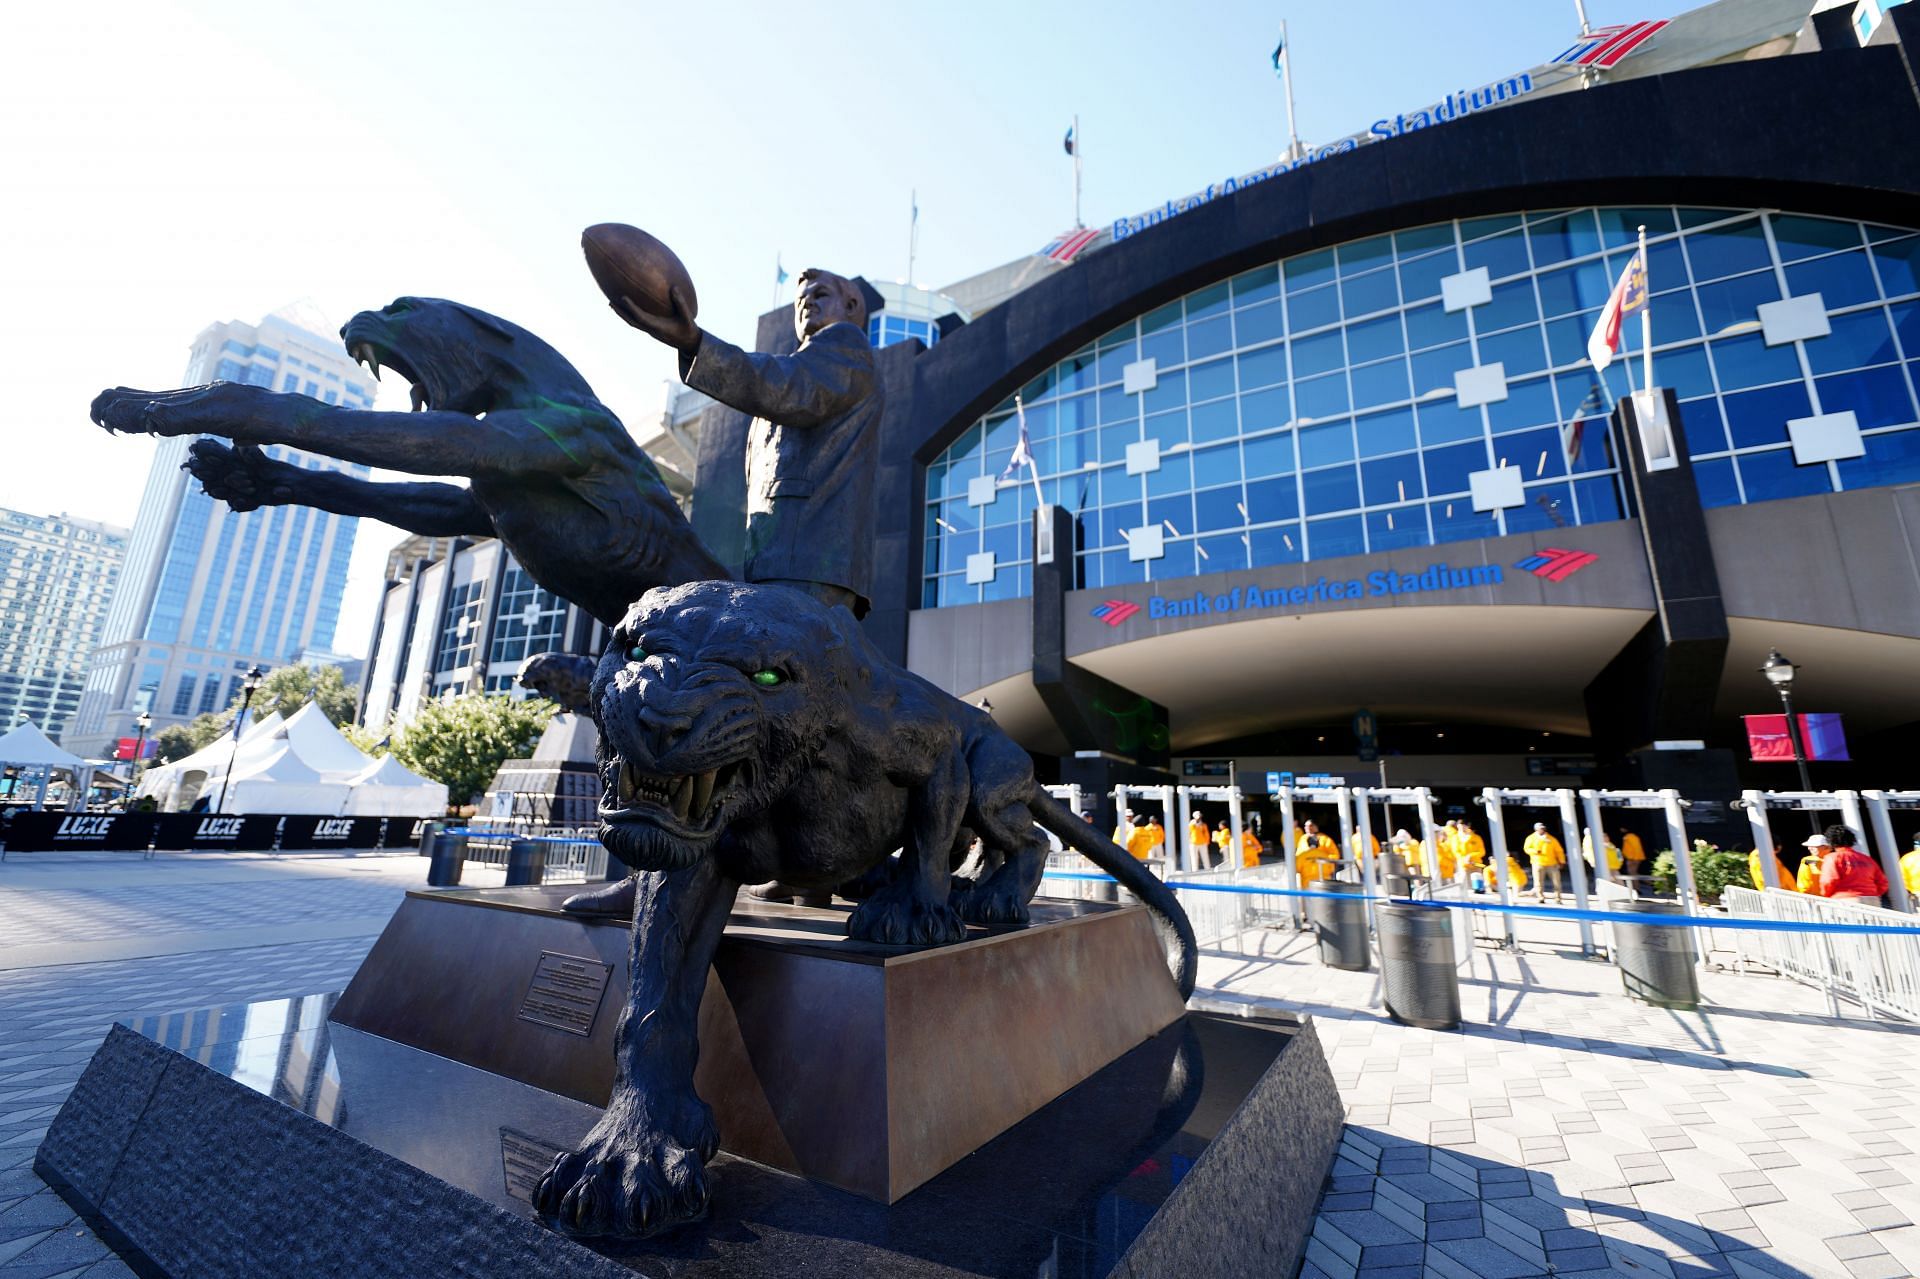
{"x":373,"y":356}
{"x":688,"y":803}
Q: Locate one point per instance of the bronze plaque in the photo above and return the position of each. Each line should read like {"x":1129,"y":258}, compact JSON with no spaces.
{"x":565,"y":992}
{"x":526,"y":1160}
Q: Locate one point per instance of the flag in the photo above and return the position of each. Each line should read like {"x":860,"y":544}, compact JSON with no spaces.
{"x":1604,"y":46}
{"x":1023,"y":450}
{"x":1821,"y":737}
{"x":1592,"y":406}
{"x":1069,"y":140}
{"x":1629,"y":297}
{"x":1068,"y":246}
{"x":1279,"y":49}
{"x":780,"y":272}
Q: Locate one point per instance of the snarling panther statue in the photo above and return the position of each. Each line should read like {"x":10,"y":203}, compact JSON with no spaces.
{"x":748,"y":733}
{"x":551,"y":471}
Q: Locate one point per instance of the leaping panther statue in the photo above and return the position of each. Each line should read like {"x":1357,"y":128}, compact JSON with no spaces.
{"x":748,"y":733}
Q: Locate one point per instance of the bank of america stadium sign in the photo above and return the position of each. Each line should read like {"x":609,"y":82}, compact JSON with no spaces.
{"x":1555,"y":564}
{"x":1602,"y":50}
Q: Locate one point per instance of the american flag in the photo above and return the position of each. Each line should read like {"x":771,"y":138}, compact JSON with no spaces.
{"x":1571,"y":434}
{"x":1022,"y":451}
{"x":1604,"y":46}
{"x":1065,"y":248}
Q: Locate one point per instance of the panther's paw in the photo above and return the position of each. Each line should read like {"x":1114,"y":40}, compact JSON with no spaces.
{"x":628,"y":1182}
{"x":896,"y":916}
{"x":996,"y":902}
{"x":241,"y":475}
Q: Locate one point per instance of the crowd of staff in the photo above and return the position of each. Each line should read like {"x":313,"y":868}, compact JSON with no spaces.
{"x":1833,"y":866}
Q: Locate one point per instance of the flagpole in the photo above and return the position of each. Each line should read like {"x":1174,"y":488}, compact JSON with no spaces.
{"x":1078,"y":146}
{"x":1646,"y":315}
{"x":1580,"y":7}
{"x":1286,"y":76}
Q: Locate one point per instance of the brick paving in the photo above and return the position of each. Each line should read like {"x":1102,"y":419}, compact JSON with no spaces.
{"x":1564,"y":1131}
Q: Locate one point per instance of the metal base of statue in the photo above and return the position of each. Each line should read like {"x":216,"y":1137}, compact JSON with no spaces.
{"x":287,"y":1138}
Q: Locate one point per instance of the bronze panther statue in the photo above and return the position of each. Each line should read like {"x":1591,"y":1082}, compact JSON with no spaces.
{"x":748,"y":733}
{"x":552,"y":472}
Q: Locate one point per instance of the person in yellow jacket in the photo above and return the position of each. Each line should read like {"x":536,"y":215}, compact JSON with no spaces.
{"x":1757,"y":869}
{"x":1547,"y":856}
{"x":1469,"y":850}
{"x":1516,"y":875}
{"x":1635,"y":856}
{"x":1807,"y":878}
{"x":1146,"y":839}
{"x":1612,"y":851}
{"x":1316,"y":855}
{"x":1910,"y":869}
{"x":1249,"y":847}
{"x":1123,"y":833}
{"x":1199,"y":839}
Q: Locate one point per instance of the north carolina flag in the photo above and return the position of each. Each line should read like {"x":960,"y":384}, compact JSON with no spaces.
{"x":1023,"y":450}
{"x":1629,"y":297}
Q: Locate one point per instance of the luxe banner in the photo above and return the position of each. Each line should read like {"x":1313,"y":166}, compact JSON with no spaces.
{"x":45,"y":832}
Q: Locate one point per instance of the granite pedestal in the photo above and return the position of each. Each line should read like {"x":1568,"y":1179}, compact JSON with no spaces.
{"x":274,"y":1139}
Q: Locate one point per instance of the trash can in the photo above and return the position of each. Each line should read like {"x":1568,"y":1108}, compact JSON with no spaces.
{"x":1418,"y":976}
{"x":429,"y":831}
{"x":1395,"y":876}
{"x":447,"y":859}
{"x":1656,"y":960}
{"x":526,"y":862}
{"x":1341,"y":925}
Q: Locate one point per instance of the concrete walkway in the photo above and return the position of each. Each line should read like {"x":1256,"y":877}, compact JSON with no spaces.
{"x":1566,"y":1130}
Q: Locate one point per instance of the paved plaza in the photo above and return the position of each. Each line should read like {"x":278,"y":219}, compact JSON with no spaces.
{"x":1565,"y":1130}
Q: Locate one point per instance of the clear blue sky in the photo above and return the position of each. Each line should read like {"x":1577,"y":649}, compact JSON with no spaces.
{"x":172,"y":164}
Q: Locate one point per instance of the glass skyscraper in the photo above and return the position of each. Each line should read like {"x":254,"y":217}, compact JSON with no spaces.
{"x":56,"y":576}
{"x":208,"y":591}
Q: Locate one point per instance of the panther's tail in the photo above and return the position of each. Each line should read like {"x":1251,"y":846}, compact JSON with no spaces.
{"x":1132,"y":876}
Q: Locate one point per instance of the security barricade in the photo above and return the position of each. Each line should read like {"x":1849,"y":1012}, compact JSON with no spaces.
{"x":1878,"y":971}
{"x":568,"y":858}
{"x":26,"y":831}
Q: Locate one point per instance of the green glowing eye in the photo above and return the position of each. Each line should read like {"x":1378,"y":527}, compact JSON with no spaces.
{"x":636,"y":654}
{"x":767,"y":679}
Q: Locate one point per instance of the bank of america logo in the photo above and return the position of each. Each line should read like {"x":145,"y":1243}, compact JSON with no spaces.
{"x":1555,"y":563}
{"x":1605,"y":46}
{"x":1114,"y":612}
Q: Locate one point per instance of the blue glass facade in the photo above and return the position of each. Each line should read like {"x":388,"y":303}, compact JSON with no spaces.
{"x":1314,"y":407}
{"x":884,"y":330}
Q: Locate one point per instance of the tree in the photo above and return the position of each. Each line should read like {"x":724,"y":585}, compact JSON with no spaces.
{"x":182,"y":740}
{"x":462,"y":741}
{"x":287,"y":688}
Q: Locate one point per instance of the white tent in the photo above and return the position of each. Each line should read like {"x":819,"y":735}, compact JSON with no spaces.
{"x":388,"y":788}
{"x":35,"y":757}
{"x":175,"y":786}
{"x":277,"y":780}
{"x":321,"y":747}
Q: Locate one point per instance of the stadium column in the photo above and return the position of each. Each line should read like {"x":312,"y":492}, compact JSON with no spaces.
{"x":1661,"y":687}
{"x":1113,"y":734}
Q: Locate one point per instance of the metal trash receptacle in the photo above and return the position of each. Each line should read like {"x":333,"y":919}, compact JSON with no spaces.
{"x":526,"y":862}
{"x":1418,"y":974}
{"x":429,"y":831}
{"x":1341,"y":925}
{"x":1395,"y":875}
{"x":1656,"y":960}
{"x":447,"y":859}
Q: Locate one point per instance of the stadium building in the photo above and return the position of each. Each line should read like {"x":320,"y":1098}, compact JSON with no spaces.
{"x":1326,"y":439}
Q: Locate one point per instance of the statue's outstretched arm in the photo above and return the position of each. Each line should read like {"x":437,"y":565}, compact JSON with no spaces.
{"x":804,"y":389}
{"x":544,"y":441}
{"x":245,"y":478}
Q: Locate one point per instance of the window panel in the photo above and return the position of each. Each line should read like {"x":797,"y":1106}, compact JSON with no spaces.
{"x":1263,"y":367}
{"x":1259,"y":324}
{"x":1801,"y":237}
{"x":1382,"y":383}
{"x":1280,"y":544}
{"x":1527,"y":404}
{"x":1218,"y":508}
{"x":1308,"y":270}
{"x":1433,"y":370}
{"x":1264,"y":410}
{"x":1521,"y":350}
{"x":1700,"y":423}
{"x":1730,"y":303}
{"x":1202,"y":303}
{"x":1168,"y":428}
{"x":1892,"y":457}
{"x":1313,"y":310}
{"x":1598,"y":499}
{"x":1392,"y":479}
{"x":1510,"y":305}
{"x":1402,"y":526}
{"x":1685,"y":370}
{"x":1444,"y":421}
{"x":1173,"y":512}
{"x":1857,"y":340}
{"x":1346,"y":535}
{"x":1388,"y":432}
{"x":1572,"y":235}
{"x":1574,"y":288}
{"x":1221,"y":554}
{"x":1773,"y":474}
{"x":1258,"y":285}
{"x":1877,"y":397}
{"x":1321,"y":397}
{"x":1457,"y":521}
{"x":1209,"y":337}
{"x":1269,"y":500}
{"x":1420,"y":278}
{"x":1433,"y":325}
{"x":1323,"y":445}
{"x":1269,"y":455}
{"x":1216,"y":421}
{"x":1748,"y":361}
{"x":1334,"y":489}
{"x":1448,"y":468}
{"x":1365,"y":294}
{"x":1898,"y":262}
{"x":1502,"y":255}
{"x":1372,"y":340}
{"x":1756,"y":418}
{"x":1539,"y":454}
{"x":1318,"y":354}
{"x":1723,"y":251}
{"x":1845,"y":279}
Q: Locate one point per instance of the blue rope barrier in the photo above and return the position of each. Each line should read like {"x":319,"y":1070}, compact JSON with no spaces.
{"x":1541,"y":912}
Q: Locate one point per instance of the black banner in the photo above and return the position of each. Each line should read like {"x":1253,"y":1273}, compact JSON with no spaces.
{"x":45,"y":832}
{"x":214,"y":832}
{"x":330,"y":832}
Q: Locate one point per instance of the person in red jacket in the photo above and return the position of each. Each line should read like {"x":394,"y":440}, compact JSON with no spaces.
{"x":1847,"y":874}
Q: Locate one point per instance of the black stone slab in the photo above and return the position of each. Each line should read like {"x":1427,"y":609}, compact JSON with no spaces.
{"x":261,"y":1140}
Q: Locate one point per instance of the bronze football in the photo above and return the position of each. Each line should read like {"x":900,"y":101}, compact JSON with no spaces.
{"x":628,"y":263}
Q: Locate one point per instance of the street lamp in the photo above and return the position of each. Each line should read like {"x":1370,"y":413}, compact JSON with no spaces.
{"x":1780,"y":672}
{"x":144,"y":723}
{"x":250,"y":684}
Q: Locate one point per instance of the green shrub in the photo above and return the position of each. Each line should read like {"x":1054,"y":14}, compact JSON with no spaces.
{"x":1713,"y":870}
